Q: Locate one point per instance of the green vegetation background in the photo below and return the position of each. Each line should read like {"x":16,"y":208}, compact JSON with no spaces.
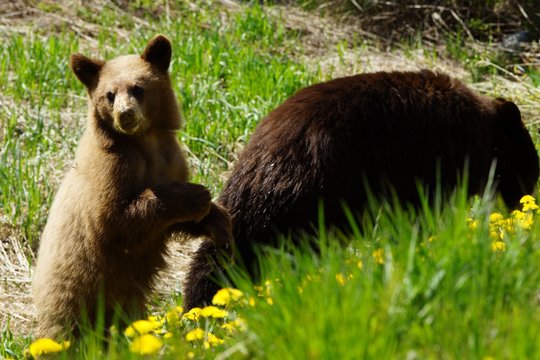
{"x":429,"y":287}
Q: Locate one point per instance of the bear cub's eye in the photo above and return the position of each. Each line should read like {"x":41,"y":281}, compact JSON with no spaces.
{"x":110,"y":97}
{"x":137,"y":91}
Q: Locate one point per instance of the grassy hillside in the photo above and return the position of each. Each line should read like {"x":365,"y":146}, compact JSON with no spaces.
{"x":445,"y":283}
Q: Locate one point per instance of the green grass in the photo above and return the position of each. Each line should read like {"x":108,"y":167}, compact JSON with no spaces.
{"x":441,"y":291}
{"x":437,"y":290}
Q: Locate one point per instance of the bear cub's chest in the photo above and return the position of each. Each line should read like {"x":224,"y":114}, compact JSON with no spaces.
{"x":160,"y":163}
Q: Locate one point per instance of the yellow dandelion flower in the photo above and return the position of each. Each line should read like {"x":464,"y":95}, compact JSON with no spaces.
{"x":527,"y":199}
{"x":498,"y":246}
{"x":270,"y":301}
{"x":213,"y":312}
{"x":147,"y":344}
{"x":156,"y":319}
{"x":190,"y":355}
{"x":527,"y":223}
{"x":508,"y":225}
{"x":496,"y":235}
{"x":522,"y":219}
{"x":378,"y":255}
{"x":192,"y":314}
{"x":472,"y":223}
{"x":141,"y":327}
{"x":213,"y":340}
{"x":46,"y":346}
{"x":225,"y":296}
{"x":232,"y":326}
{"x":195,"y":334}
{"x":235,"y":294}
{"x":229,"y":327}
{"x":529,"y":207}
{"x":350,"y":276}
{"x":340,"y":279}
{"x":173,"y":316}
{"x":360,"y":264}
{"x":168,"y":335}
{"x":495,"y":218}
{"x":130,"y":332}
{"x":222,"y":297}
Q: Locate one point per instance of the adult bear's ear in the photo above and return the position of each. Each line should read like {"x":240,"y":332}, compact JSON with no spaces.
{"x":86,"y":69}
{"x":510,"y":118}
{"x":158,"y":52}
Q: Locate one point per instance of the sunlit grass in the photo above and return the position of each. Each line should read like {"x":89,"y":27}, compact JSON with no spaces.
{"x":398,"y":288}
{"x":449,"y":282}
{"x":402,"y":289}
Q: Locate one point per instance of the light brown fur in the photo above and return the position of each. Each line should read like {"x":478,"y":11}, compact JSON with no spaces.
{"x":107,"y":229}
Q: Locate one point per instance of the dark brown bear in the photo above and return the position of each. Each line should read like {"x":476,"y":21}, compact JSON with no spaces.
{"x":116,"y":207}
{"x":385,"y":131}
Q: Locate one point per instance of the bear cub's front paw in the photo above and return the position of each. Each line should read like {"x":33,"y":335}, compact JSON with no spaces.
{"x":199,"y":200}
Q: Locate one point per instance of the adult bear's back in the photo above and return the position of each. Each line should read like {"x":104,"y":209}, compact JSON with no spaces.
{"x":389,"y":131}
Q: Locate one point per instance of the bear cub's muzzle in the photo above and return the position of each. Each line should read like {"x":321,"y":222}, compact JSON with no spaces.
{"x":128,"y":117}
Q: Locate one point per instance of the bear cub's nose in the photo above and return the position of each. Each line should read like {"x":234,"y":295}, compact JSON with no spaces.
{"x":126,"y":119}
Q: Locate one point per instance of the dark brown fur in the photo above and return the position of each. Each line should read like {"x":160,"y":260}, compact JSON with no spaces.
{"x":389,"y":131}
{"x":115,"y":209}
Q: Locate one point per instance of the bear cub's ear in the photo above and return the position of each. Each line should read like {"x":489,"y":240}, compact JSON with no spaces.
{"x":158,"y":52}
{"x":86,"y":69}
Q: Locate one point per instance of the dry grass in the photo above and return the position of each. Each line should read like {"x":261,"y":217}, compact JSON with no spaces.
{"x":433,"y":19}
{"x":322,"y":37}
{"x":16,"y":310}
{"x":21,"y":16}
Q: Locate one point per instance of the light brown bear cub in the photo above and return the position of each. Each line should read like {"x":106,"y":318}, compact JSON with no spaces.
{"x":108,"y":225}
